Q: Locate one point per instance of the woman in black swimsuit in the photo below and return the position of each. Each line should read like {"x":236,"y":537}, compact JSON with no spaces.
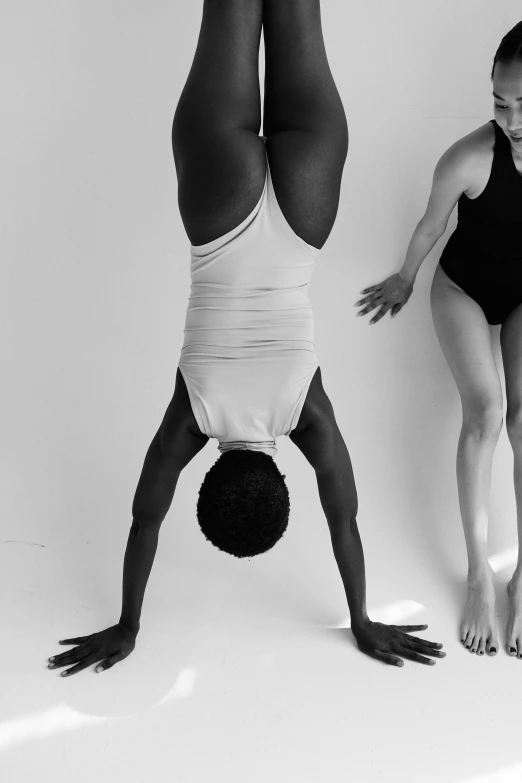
{"x":478,"y":282}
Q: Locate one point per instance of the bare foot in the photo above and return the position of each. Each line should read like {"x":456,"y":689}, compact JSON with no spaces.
{"x":514,"y":625}
{"x":478,"y":630}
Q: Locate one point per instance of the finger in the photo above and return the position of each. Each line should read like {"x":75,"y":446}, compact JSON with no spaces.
{"x":78,"y":654}
{"x":396,"y":309}
{"x":435,"y":645}
{"x":409,"y":628}
{"x":370,"y":298}
{"x":371,"y":288}
{"x":77,"y":640}
{"x":421,"y":648}
{"x":386,"y":657}
{"x":413,"y":656}
{"x":110,"y":661}
{"x":368,"y":308}
{"x":382,"y":312}
{"x":80,"y":666}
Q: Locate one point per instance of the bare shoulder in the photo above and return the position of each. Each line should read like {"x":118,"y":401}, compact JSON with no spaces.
{"x":182,"y":408}
{"x":317,"y":406}
{"x":317,"y":434}
{"x":179,"y":430}
{"x":469,"y":159}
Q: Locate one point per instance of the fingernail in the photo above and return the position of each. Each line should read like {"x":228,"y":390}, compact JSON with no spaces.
{"x":400,"y":663}
{"x":50,"y":665}
{"x":52,"y":658}
{"x":99,"y":668}
{"x":64,"y":674}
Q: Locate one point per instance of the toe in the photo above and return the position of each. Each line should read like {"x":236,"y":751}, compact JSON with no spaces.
{"x":470,"y":642}
{"x":482,"y":646}
{"x":492,"y":646}
{"x":511,"y":647}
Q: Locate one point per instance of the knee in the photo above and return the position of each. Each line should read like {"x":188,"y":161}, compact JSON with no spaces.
{"x":483,"y":419}
{"x":514,"y":420}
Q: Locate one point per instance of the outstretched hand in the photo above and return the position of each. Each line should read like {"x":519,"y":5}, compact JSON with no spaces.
{"x":388,"y":642}
{"x":392,"y":293}
{"x":108,"y":646}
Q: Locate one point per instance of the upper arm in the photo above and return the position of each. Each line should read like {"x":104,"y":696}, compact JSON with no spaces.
{"x":323,"y":445}
{"x":452,"y":177}
{"x":182,"y":444}
{"x":179,"y":434}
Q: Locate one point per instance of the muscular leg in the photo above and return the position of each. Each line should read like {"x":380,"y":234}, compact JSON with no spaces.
{"x":219,"y":155}
{"x":465,"y":339}
{"x":304,"y":119}
{"x":511,"y":344}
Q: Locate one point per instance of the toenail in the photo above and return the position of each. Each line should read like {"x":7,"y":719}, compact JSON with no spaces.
{"x":493,"y":649}
{"x":512,"y":649}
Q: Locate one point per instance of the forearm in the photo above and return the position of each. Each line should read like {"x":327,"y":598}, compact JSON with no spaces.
{"x":152,"y":500}
{"x":349,"y":556}
{"x":139,"y":557}
{"x":421,"y":243}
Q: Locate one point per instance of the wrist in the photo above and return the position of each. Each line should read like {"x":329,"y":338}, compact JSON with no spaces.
{"x":132,"y":627}
{"x":408,"y":277}
{"x":360,"y":624}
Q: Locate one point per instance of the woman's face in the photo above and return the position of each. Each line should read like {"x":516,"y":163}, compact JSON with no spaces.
{"x":507,"y":92}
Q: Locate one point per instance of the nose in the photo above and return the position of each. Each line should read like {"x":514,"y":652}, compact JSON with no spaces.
{"x":514,"y":122}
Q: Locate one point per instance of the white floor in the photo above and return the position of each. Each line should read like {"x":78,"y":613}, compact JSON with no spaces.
{"x":248,"y":670}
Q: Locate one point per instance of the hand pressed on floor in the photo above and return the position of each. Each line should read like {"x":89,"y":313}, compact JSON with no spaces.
{"x":391,"y":643}
{"x":108,"y":646}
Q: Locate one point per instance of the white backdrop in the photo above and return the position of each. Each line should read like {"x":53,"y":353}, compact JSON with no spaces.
{"x":95,"y":283}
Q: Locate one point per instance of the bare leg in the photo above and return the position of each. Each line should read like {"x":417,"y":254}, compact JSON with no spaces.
{"x":219,"y":155}
{"x":511,"y":343}
{"x":465,"y":339}
{"x":304,"y":119}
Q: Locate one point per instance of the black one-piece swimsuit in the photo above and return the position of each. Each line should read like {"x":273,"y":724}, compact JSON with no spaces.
{"x":484,"y":254}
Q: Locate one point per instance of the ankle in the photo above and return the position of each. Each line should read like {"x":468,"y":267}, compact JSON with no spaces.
{"x":478,"y":573}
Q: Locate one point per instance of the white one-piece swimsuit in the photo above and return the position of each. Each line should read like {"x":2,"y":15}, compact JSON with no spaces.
{"x":248,"y":355}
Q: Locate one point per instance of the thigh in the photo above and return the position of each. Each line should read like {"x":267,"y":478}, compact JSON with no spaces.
{"x":306,"y":170}
{"x":304,"y":119}
{"x":511,"y":345}
{"x":465,"y":339}
{"x":219,"y":156}
{"x":220,"y":182}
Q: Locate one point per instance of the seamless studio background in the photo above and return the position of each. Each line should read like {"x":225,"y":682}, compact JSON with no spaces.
{"x":242,"y":670}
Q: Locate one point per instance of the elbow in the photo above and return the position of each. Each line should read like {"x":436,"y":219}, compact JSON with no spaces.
{"x":141,"y":527}
{"x":430,"y":229}
{"x":342,"y":524}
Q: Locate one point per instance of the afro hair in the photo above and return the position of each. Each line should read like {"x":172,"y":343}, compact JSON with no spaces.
{"x":243,"y":503}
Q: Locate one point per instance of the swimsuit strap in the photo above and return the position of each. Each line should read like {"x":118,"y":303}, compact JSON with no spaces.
{"x":503,"y":157}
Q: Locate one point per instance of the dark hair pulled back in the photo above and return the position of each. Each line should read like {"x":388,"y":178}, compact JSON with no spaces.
{"x":510,"y":48}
